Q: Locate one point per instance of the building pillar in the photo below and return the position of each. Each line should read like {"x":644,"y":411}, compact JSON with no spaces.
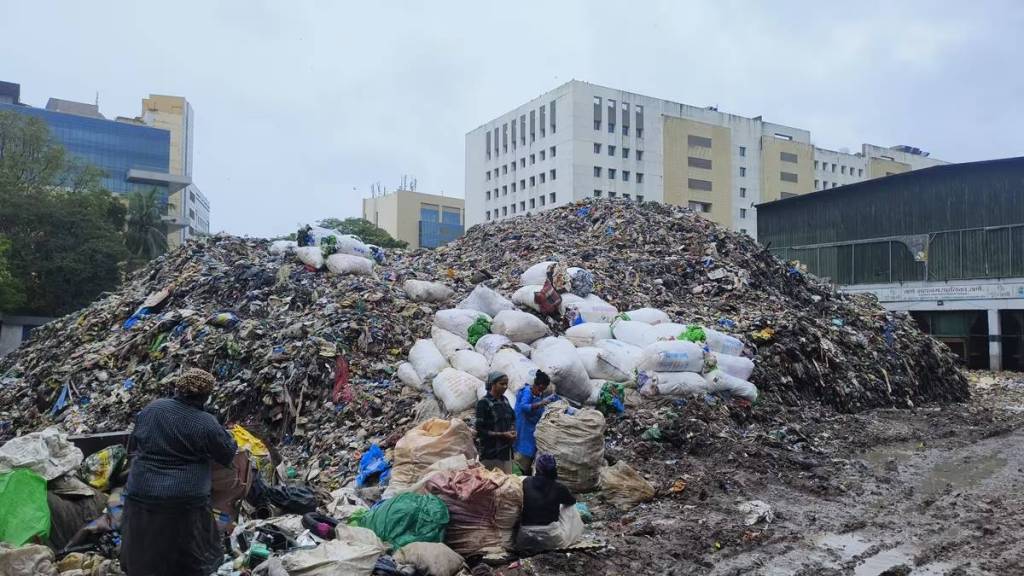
{"x":995,"y":340}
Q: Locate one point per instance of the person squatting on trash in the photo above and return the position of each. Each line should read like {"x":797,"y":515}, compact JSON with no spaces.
{"x":530,"y":405}
{"x":168,"y":526}
{"x":495,"y":425}
{"x":550,"y":520}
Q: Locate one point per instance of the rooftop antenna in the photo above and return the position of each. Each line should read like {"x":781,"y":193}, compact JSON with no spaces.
{"x":97,"y":99}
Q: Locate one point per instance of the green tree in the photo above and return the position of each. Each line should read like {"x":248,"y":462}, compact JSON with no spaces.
{"x":365,"y":230}
{"x":12,"y":296}
{"x":65,"y":232}
{"x":146,"y":235}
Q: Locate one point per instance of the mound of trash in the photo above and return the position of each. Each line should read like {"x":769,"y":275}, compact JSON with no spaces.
{"x":306,"y":340}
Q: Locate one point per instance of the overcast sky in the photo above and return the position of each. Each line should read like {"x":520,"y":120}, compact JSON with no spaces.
{"x":300,"y":106}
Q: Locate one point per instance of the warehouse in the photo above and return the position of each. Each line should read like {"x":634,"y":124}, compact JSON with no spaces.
{"x":945,"y":243}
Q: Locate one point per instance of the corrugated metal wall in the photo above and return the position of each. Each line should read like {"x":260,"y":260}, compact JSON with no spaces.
{"x":972,"y":213}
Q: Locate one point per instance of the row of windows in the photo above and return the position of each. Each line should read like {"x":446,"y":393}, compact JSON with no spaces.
{"x":625,"y":151}
{"x":543,"y":177}
{"x":533,"y":203}
{"x":843,"y":169}
{"x":522,"y":163}
{"x":613,"y":194}
{"x":500,"y":138}
{"x":612,"y":116}
{"x":824,"y":185}
{"x":613,"y":173}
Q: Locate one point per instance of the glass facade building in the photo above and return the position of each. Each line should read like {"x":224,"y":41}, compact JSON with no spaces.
{"x":113,"y":147}
{"x":438,"y":226}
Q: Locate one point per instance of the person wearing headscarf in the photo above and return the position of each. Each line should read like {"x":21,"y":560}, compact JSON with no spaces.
{"x":543,"y":494}
{"x":530,"y":404}
{"x":168,"y":525}
{"x":495,"y":425}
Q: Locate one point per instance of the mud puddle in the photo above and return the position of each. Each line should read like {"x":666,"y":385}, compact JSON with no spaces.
{"x":870,"y":557}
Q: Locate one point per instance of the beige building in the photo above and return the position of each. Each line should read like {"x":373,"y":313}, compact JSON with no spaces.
{"x":422,"y":220}
{"x":189,"y":210}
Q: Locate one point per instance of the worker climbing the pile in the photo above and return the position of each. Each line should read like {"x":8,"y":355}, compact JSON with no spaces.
{"x":550,"y":519}
{"x":495,"y":425}
{"x":168,"y":525}
{"x":530,"y":404}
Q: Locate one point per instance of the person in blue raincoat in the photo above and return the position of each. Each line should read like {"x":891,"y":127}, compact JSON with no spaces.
{"x":530,"y":403}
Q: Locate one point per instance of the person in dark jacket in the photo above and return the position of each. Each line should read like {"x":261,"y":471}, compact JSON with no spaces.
{"x":495,"y":425}
{"x":543,"y":494}
{"x":168,"y":526}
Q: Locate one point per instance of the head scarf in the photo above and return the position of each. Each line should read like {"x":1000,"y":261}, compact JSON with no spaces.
{"x":545,"y":465}
{"x":493,"y":378}
{"x":195,"y":382}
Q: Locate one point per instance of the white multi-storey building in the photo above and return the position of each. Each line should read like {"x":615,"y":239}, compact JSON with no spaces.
{"x":582,"y":140}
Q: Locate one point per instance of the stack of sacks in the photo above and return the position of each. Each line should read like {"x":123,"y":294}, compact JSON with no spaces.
{"x":426,"y":445}
{"x":483,"y":507}
{"x":558,"y":358}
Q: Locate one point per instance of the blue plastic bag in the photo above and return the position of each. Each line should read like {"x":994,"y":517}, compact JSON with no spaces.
{"x":371,"y":464}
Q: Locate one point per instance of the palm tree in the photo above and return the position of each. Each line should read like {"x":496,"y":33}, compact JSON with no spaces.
{"x":146,"y":236}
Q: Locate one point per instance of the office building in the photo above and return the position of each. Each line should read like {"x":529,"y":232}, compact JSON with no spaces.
{"x":189,"y":213}
{"x":583,"y":140}
{"x":422,"y":220}
{"x":945,"y":243}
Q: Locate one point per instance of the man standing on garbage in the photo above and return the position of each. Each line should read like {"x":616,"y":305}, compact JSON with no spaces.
{"x":530,"y":405}
{"x":495,"y":425}
{"x":168,"y":525}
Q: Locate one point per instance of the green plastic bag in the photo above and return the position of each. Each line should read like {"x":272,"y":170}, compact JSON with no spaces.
{"x":478,"y":329}
{"x":24,"y":513}
{"x":408,"y":518}
{"x":693,"y":333}
{"x":100,"y":468}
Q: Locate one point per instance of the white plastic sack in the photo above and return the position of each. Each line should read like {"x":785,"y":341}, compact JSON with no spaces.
{"x":520,"y":370}
{"x":623,"y":356}
{"x":426,"y":359}
{"x":569,"y":300}
{"x":558,"y":358}
{"x":423,"y":291}
{"x":536,"y":274}
{"x":457,"y":320}
{"x":666,"y":331}
{"x":600,"y":365}
{"x":456,"y":390}
{"x":590,"y":309}
{"x":525,"y":296}
{"x":519,"y":326}
{"x":319,"y":233}
{"x":489,"y":344}
{"x":47,"y":453}
{"x":310,"y":256}
{"x":672,"y":384}
{"x":588,"y":333}
{"x":648,"y":316}
{"x":567,"y":531}
{"x":349,"y":264}
{"x":630,"y":332}
{"x":408,"y":376}
{"x":523,"y":348}
{"x":470,"y":362}
{"x":283,"y":246}
{"x":736,"y":366}
{"x":348,"y":244}
{"x":346,"y":556}
{"x":721,"y":383}
{"x":672,"y":356}
{"x":486,"y":300}
{"x":447,"y":342}
{"x":721,"y":342}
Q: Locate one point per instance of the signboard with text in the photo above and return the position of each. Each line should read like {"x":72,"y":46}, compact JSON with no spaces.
{"x":922,"y":292}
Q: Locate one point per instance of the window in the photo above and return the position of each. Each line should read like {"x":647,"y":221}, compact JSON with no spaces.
{"x":702,"y":207}
{"x":597,"y":171}
{"x":639,"y":132}
{"x":625,"y":153}
{"x":597,"y":148}
{"x":611,"y":150}
{"x":787,"y":157}
{"x":743,"y":171}
{"x":611,"y":173}
{"x":597,"y":112}
{"x":833,"y":167}
{"x":513,"y":166}
{"x":597,"y":193}
{"x":533,"y":159}
{"x":504,"y":190}
{"x":824,"y":184}
{"x":543,"y":200}
{"x":504,"y":138}
{"x":695,"y":184}
{"x":522,"y":129}
{"x":639,"y":120}
{"x":552,"y":197}
{"x":611,"y":116}
{"x":698,"y":141}
{"x":611,"y":128}
{"x":787,"y":177}
{"x":743,"y":192}
{"x":552,"y":151}
{"x":522,"y":184}
{"x":860,"y":171}
{"x":552,"y":108}
{"x":639,"y":177}
{"x":533,"y":181}
{"x":743,"y":212}
{"x":625,"y":130}
{"x":543,"y":130}
{"x":639,"y":199}
{"x":513,"y":187}
{"x":543,"y":177}
{"x":522,"y":162}
{"x":488,"y":214}
{"x":782,"y":136}
{"x":815,"y":164}
{"x":533,"y":203}
{"x":834,"y":184}
{"x":504,"y":210}
{"x":522,"y":206}
{"x":513,"y":208}
{"x":504,"y":169}
{"x":488,"y":174}
{"x":743,"y":230}
{"x":639,"y":155}
{"x":611,"y":194}
{"x":543,"y":155}
{"x":743,"y":150}
{"x":626,"y":196}
{"x":552,"y":174}
{"x":698,"y":162}
{"x":625,"y":175}
{"x":815,"y":183}
{"x":785,"y":195}
{"x":488,"y":144}
{"x":488,"y":194}
{"x":842,"y":169}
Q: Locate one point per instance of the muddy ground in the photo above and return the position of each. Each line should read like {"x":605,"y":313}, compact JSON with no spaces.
{"x":930,"y":491}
